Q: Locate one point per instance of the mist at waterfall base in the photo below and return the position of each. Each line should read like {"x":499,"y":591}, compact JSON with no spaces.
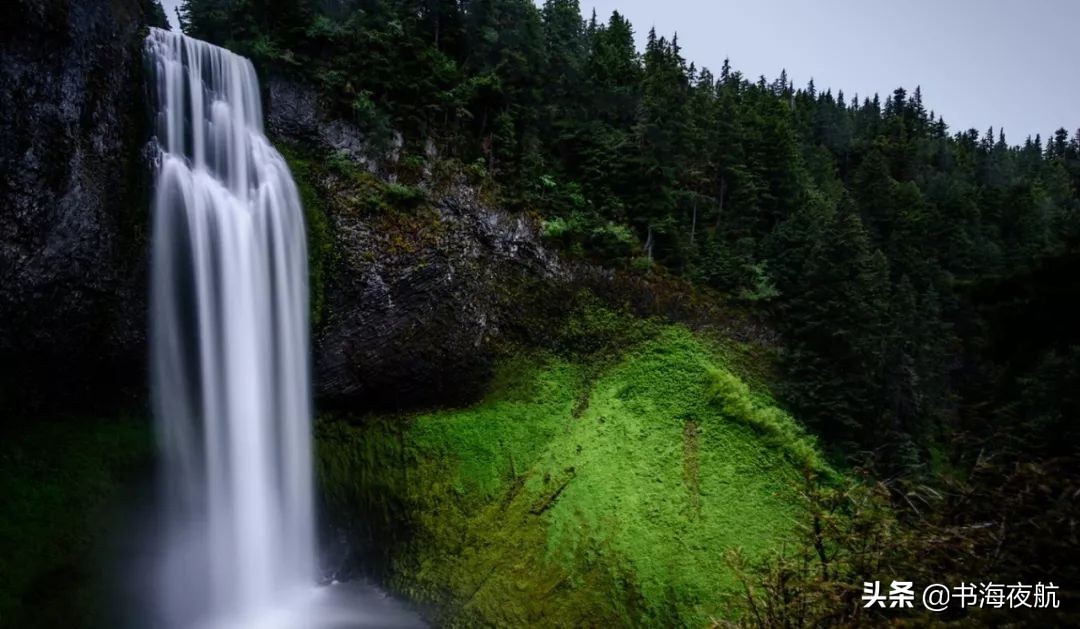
{"x":235,"y":537}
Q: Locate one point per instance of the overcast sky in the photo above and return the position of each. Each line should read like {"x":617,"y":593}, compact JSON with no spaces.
{"x":170,"y":10}
{"x":1010,"y":63}
{"x":1006,"y":63}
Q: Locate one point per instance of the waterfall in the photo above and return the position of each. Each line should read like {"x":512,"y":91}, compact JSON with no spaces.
{"x":229,"y":344}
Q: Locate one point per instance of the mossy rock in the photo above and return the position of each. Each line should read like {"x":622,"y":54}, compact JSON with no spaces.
{"x":574,"y":495}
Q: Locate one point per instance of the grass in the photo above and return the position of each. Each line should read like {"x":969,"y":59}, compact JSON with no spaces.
{"x":578,"y":496}
{"x":497,"y":440}
{"x":56,"y":479}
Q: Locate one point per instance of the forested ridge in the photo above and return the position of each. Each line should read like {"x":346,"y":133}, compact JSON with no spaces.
{"x":923,"y":279}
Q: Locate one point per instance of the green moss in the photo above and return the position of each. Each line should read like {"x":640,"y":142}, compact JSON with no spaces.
{"x":736,"y":402}
{"x":320,"y":244}
{"x":403,"y":197}
{"x":55,"y":481}
{"x":577,"y":496}
{"x":363,"y":192}
{"x":493,"y":442}
{"x":596,"y":333}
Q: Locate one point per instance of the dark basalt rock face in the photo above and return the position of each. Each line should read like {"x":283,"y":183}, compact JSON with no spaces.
{"x":73,"y":201}
{"x":418,"y":323}
{"x":295,"y":113}
{"x":416,"y":301}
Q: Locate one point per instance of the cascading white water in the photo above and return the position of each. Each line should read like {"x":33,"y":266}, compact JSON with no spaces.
{"x":229,"y":369}
{"x":229,"y":339}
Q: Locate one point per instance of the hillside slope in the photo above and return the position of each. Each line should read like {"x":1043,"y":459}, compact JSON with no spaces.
{"x":575,"y":493}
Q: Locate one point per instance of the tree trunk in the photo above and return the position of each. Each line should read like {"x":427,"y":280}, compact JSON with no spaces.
{"x":720,"y":210}
{"x":693,"y":221}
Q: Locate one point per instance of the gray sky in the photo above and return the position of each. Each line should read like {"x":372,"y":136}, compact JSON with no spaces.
{"x":170,"y":10}
{"x":1006,"y":63}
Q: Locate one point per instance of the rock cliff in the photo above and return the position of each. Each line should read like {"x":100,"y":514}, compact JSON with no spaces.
{"x":73,"y":186}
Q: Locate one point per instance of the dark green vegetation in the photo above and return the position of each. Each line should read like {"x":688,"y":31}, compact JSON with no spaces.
{"x":923,"y":280}
{"x":576,"y":493}
{"x":58,"y":479}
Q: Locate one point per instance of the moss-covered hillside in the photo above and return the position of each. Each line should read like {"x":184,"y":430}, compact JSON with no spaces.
{"x":576,"y":493}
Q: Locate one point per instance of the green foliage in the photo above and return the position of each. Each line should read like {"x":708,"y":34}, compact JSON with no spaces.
{"x":576,"y":496}
{"x":732,"y":396}
{"x":366,"y":193}
{"x":761,"y":287}
{"x":847,"y":533}
{"x":581,"y":235}
{"x":595,"y":335}
{"x":402,"y":196}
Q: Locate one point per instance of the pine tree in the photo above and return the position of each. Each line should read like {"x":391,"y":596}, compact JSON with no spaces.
{"x":837,"y":323}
